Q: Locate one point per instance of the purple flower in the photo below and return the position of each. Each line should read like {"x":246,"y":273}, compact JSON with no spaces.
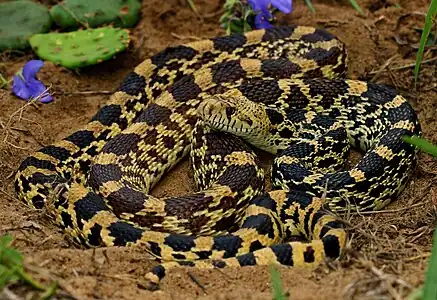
{"x":264,"y":15}
{"x":27,"y":87}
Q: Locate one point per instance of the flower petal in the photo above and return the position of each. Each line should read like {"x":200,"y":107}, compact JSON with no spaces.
{"x":261,"y":22}
{"x":38,"y":89}
{"x":46,"y":98}
{"x":258,"y":4}
{"x":264,"y":15}
{"x":20,"y":88}
{"x":31,"y":68}
{"x":284,"y":6}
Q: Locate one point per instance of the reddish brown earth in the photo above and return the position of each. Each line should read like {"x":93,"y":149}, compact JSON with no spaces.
{"x":388,"y":251}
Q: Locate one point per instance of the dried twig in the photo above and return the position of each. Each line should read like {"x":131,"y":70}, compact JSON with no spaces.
{"x":103,"y":92}
{"x":383,"y":67}
{"x":407,"y":66}
{"x":7,"y":294}
{"x":386,"y":282}
{"x":197,"y":282}
{"x":390,"y":210}
{"x":186,"y":37}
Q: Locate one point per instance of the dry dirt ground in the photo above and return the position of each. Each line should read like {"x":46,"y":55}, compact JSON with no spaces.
{"x":388,"y":251}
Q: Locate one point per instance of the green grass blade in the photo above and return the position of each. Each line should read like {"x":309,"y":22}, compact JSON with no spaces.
{"x":193,"y":7}
{"x":357,"y":7}
{"x":423,"y":144}
{"x":29,"y":280}
{"x":310,"y":5}
{"x":417,"y":294}
{"x":275,"y":278}
{"x":432,"y":10}
{"x":430,"y":288}
{"x":50,"y":292}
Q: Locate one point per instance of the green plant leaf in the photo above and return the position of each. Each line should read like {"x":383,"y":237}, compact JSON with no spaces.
{"x":7,"y":276}
{"x":77,"y":49}
{"x":432,"y":10}
{"x":430,"y":287}
{"x":12,"y":257}
{"x":422,"y":144}
{"x":310,"y":5}
{"x":275,"y":278}
{"x":51,"y":290}
{"x":5,"y":240}
{"x":429,"y":290}
{"x":357,"y":7}
{"x":9,"y":257}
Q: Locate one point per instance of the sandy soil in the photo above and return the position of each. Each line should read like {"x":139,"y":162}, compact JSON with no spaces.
{"x":389,"y":250}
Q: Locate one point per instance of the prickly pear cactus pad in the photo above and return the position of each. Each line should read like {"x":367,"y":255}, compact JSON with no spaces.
{"x":80,"y":48}
{"x":72,"y":14}
{"x":19,"y":20}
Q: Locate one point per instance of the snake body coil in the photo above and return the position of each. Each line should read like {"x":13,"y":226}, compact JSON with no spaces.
{"x":278,"y":89}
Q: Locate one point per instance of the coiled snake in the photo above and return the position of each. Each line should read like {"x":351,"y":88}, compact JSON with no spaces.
{"x":280,"y":90}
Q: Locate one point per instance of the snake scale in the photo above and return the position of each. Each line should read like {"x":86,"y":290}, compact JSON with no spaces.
{"x":281,"y":90}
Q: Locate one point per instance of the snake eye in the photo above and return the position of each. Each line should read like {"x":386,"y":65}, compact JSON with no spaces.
{"x":229,"y":111}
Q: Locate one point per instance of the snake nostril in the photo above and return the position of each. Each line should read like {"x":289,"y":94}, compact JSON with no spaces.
{"x":229,"y":111}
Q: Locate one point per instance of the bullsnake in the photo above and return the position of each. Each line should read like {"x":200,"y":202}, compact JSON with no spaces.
{"x":281,"y":90}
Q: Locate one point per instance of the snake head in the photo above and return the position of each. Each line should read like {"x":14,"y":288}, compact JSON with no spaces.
{"x":233,"y":113}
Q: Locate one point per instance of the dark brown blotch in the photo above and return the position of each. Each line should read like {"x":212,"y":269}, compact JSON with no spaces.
{"x":122,"y":144}
{"x":154,"y":115}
